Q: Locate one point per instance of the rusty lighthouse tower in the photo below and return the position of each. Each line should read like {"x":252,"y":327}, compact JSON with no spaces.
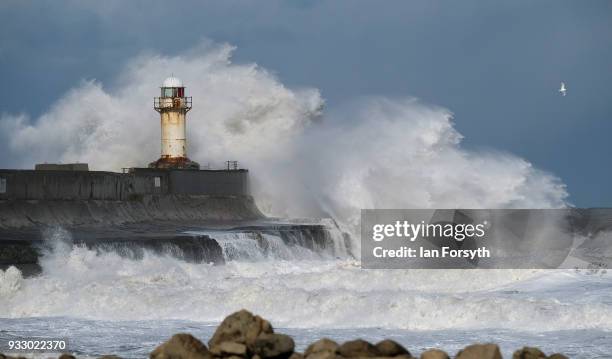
{"x":173,"y":106}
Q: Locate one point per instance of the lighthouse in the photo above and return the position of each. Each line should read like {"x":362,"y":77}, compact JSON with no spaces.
{"x":173,"y":106}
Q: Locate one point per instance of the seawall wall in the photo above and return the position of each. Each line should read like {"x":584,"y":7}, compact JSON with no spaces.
{"x":72,"y":198}
{"x":94,"y":185}
{"x":148,"y":208}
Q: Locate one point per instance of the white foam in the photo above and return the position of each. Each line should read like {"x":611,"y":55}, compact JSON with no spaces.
{"x":306,"y":293}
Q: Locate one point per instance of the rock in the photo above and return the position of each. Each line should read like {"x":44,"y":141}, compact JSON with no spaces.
{"x":390,"y":348}
{"x":557,"y":356}
{"x":358,"y":348}
{"x":480,"y":351}
{"x":66,"y":356}
{"x":2,"y":356}
{"x":528,"y":353}
{"x":109,"y":357}
{"x":229,"y":348}
{"x":321,"y":345}
{"x":434,"y":354}
{"x":241,"y":327}
{"x":181,"y":346}
{"x":277,"y":346}
{"x":296,"y":356}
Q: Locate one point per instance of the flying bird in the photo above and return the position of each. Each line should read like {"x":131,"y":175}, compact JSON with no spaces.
{"x":563,"y":90}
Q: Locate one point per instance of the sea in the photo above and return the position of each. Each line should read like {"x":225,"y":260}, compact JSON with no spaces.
{"x":104,"y":302}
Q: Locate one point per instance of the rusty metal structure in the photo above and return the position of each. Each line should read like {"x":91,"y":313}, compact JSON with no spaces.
{"x":173,"y":106}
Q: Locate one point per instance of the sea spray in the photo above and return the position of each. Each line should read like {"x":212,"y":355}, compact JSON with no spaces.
{"x":11,"y":282}
{"x":375,"y":152}
{"x":250,"y":246}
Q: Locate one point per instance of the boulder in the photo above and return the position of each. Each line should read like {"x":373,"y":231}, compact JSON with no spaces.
{"x":229,"y":348}
{"x":321,"y":345}
{"x":390,"y":348}
{"x":296,"y":356}
{"x":109,"y":357}
{"x":240,"y":327}
{"x":181,"y":346}
{"x":66,"y":356}
{"x":358,"y":348}
{"x":557,"y":356}
{"x":276,"y":346}
{"x":480,"y":351}
{"x":434,"y":354}
{"x":528,"y":353}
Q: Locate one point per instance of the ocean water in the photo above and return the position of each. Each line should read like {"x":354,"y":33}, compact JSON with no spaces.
{"x":105,"y":303}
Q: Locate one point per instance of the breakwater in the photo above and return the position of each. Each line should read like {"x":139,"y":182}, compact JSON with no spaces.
{"x":23,"y":214}
{"x":113,"y":186}
{"x":142,"y":208}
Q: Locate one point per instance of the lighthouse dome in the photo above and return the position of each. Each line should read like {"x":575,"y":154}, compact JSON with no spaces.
{"x":172,"y":82}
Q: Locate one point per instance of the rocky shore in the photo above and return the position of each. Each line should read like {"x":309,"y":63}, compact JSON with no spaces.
{"x":243,"y":335}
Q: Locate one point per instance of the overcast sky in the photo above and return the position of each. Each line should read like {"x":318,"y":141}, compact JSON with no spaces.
{"x":496,"y":65}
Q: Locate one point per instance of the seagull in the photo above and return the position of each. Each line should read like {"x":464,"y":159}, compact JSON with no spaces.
{"x":563,"y":90}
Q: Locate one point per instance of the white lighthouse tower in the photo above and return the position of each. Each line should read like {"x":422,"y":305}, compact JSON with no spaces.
{"x":173,"y":106}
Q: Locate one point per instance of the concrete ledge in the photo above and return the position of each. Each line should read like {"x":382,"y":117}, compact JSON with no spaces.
{"x":23,"y":214}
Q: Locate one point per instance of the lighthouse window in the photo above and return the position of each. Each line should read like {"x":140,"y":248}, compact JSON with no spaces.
{"x":168,"y":92}
{"x":157,"y":182}
{"x":2,"y":185}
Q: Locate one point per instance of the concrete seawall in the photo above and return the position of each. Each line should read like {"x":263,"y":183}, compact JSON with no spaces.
{"x":142,"y":208}
{"x":151,"y":222}
{"x":94,"y":185}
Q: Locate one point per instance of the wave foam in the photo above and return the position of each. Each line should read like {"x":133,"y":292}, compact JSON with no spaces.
{"x":306,"y":293}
